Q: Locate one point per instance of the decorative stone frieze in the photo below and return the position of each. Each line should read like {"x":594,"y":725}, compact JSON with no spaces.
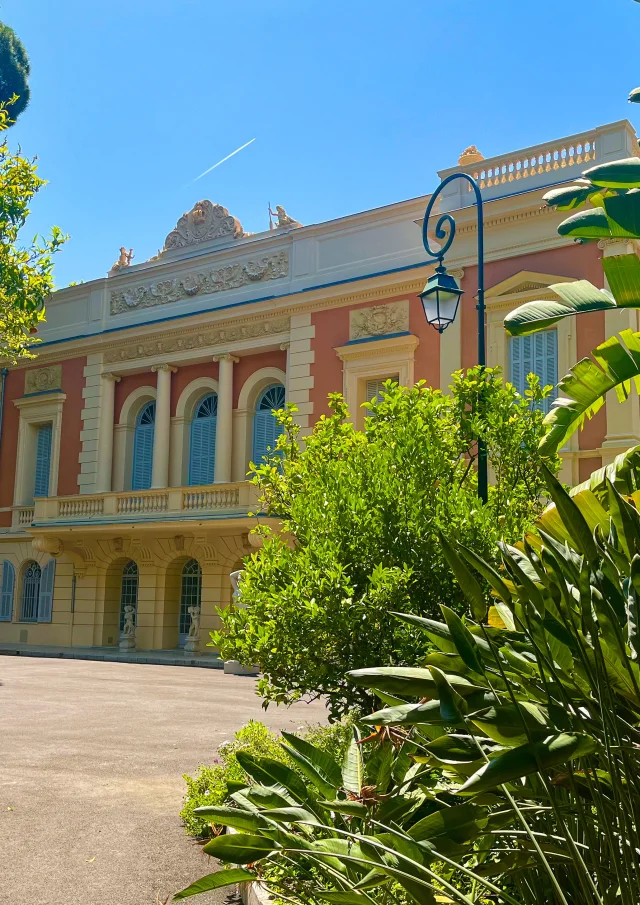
{"x":221,"y":279}
{"x":203,"y":223}
{"x":200,"y":340}
{"x":41,"y":380}
{"x":380,"y":320}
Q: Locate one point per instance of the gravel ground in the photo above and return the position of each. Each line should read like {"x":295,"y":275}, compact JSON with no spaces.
{"x":91,"y":762}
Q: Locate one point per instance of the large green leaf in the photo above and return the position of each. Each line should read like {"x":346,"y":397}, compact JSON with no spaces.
{"x":568,"y":197}
{"x":240,"y":848}
{"x":618,"y":174}
{"x":623,"y":214}
{"x":590,"y":224}
{"x":235,"y":817}
{"x":463,"y":640}
{"x":217,"y":881}
{"x":571,"y":515}
{"x":573,"y":298}
{"x":471,"y":588}
{"x":409,"y":681}
{"x":615,"y":364}
{"x":268,"y":772}
{"x":460,"y":824}
{"x":527,"y":759}
{"x":353,"y":767}
{"x":317,"y":766}
{"x":623,"y":276}
{"x":511,"y":725}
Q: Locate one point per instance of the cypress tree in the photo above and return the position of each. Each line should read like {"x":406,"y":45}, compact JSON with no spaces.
{"x":14,"y":71}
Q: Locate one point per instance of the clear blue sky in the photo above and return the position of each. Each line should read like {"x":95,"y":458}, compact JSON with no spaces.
{"x":353,"y":103}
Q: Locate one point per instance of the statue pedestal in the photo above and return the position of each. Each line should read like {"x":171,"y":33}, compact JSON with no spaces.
{"x":192,"y":646}
{"x":233,"y":668}
{"x":127,"y":643}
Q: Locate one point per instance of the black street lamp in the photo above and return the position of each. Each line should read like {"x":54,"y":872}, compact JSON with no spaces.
{"x":441,"y":296}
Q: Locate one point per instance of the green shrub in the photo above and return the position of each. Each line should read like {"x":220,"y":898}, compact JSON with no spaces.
{"x":210,"y":785}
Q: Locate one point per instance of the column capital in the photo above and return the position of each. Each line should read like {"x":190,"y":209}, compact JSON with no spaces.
{"x":226,"y":356}
{"x":107,"y":375}
{"x":163,"y":367}
{"x":285,"y":346}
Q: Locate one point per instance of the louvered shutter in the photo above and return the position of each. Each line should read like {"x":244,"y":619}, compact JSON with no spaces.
{"x":537,"y":354}
{"x":142,"y":457}
{"x":43,"y":461}
{"x":265,"y":433}
{"x":45,"y":600}
{"x":375,"y":386}
{"x":203,"y":450}
{"x":6,"y":596}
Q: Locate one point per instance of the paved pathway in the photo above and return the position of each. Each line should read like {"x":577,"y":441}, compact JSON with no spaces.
{"x":91,"y":763}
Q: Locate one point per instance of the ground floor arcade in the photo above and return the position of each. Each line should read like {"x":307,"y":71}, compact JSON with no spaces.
{"x":89,"y":591}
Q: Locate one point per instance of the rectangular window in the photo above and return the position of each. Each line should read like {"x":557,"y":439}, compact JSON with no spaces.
{"x":375,"y":386}
{"x":43,"y":460}
{"x":537,"y":354}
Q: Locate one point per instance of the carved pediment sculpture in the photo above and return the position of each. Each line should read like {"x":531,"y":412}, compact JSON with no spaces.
{"x":204,"y":222}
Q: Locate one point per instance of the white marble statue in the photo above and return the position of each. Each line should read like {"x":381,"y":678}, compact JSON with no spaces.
{"x":194,"y":628}
{"x":129,"y":627}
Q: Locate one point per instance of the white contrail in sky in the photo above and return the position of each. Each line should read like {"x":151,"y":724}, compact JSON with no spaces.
{"x":237,"y":151}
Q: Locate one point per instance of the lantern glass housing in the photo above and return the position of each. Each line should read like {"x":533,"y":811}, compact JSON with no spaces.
{"x":440,"y":299}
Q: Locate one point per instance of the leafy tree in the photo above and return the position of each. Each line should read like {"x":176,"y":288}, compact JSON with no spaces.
{"x":14,"y":71}
{"x":506,"y":763}
{"x":361,"y":512}
{"x":26,"y":277}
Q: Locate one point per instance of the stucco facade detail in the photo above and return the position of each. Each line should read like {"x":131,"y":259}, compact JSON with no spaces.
{"x":152,"y":387}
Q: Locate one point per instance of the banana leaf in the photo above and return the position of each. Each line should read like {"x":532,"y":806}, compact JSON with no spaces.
{"x":218,"y":880}
{"x":573,"y":298}
{"x":615,"y":364}
{"x":618,"y":174}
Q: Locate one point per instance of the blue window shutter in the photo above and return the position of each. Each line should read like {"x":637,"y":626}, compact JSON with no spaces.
{"x":6,"y":596}
{"x":266,"y":429}
{"x":45,"y":600}
{"x":143,"y":449}
{"x":43,"y":460}
{"x":202,"y":451}
{"x":537,"y":354}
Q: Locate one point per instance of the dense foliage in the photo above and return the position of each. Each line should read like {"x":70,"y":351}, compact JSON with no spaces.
{"x":361,"y":512}
{"x":213,"y":784}
{"x":514,"y":777}
{"x":14,"y":71}
{"x":26,"y":271}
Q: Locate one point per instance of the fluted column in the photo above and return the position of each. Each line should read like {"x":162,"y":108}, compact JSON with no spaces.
{"x":105,"y":432}
{"x":224,"y":426}
{"x":161,"y":438}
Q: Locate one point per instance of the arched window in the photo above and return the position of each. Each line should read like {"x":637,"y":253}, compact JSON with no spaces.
{"x":129,"y":590}
{"x":143,"y":448}
{"x":30,"y":593}
{"x":203,"y":441}
{"x":190,"y":595}
{"x":265,"y":427}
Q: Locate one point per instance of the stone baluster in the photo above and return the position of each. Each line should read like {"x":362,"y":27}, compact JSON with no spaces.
{"x":160,"y":465}
{"x":105,"y":432}
{"x":224,"y":426}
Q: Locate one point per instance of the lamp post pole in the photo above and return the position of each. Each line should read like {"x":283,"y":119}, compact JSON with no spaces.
{"x":439,"y":291}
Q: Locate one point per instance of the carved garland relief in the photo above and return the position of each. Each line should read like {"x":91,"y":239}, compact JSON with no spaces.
{"x":200,"y":340}
{"x":232,"y":276}
{"x":380,"y":320}
{"x":42,"y":379}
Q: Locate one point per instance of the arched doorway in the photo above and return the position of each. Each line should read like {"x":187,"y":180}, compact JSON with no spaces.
{"x":143,"y":448}
{"x":190,"y":595}
{"x":202,"y":451}
{"x":128,"y":591}
{"x":266,"y":429}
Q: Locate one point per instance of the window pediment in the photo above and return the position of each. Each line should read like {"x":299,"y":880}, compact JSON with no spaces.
{"x":525,"y":286}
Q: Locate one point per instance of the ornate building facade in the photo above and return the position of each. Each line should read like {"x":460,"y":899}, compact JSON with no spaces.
{"x":125,"y":445}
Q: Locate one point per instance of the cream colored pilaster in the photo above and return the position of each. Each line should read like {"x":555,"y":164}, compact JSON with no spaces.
{"x":623,"y":419}
{"x":224,"y":426}
{"x":90,"y":423}
{"x":161,"y":439}
{"x":300,"y":357}
{"x":105,"y":433}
